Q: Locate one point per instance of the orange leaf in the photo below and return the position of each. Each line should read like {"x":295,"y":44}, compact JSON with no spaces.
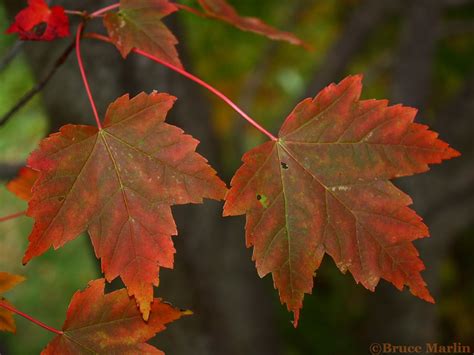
{"x":110,"y":324}
{"x":21,"y":185}
{"x":7,"y":282}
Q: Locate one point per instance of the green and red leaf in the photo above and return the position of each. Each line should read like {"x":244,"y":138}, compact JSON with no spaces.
{"x":110,"y":323}
{"x":324,"y":187}
{"x":223,"y":11}
{"x":138,"y":25}
{"x":118,"y":183}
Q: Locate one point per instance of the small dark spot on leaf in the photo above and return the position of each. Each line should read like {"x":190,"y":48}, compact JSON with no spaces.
{"x":61,"y":199}
{"x":284,"y":165}
{"x":259,"y":197}
{"x":40,"y":29}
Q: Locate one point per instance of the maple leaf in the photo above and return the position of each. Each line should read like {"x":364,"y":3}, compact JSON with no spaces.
{"x":119,"y":184}
{"x":21,"y":185}
{"x":7,"y":282}
{"x":323,"y":187}
{"x":138,"y":25}
{"x":221,"y":10}
{"x":40,"y":23}
{"x":110,"y":323}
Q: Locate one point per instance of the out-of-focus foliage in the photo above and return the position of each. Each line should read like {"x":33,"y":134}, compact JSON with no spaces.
{"x":266,"y":78}
{"x":457,"y":305}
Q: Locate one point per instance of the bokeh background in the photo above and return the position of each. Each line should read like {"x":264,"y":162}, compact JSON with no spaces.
{"x":416,"y":52}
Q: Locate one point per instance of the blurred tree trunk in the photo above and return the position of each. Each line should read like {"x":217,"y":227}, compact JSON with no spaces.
{"x":402,"y":318}
{"x":355,"y":35}
{"x":441,"y":196}
{"x":213,"y":275}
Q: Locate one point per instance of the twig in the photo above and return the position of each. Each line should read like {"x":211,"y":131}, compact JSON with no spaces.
{"x":11,"y":54}
{"x":39,"y":86}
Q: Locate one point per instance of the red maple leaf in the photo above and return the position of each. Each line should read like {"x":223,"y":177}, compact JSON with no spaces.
{"x":221,"y":10}
{"x":323,"y":187}
{"x":119,"y":183}
{"x":21,"y":185}
{"x":110,"y":324}
{"x":138,"y":25}
{"x":7,"y":282}
{"x":41,"y":23}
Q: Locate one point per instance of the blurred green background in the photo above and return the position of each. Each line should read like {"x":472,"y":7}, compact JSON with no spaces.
{"x":417,"y":52}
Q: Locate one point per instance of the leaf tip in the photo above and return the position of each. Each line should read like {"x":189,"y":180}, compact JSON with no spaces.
{"x":452,"y":153}
{"x":296,"y":318}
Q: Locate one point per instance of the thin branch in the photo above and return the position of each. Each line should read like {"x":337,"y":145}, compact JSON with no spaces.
{"x":196,"y":80}
{"x":31,"y":319}
{"x":39,"y":86}
{"x":11,"y":54}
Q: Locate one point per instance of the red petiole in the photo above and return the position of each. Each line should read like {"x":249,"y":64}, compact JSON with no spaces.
{"x":104,"y":10}
{"x":80,"y":28}
{"x":12,"y":216}
{"x":31,"y":319}
{"x":162,"y":62}
{"x":196,"y":80}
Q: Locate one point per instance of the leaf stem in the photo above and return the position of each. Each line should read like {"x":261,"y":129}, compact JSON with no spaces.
{"x":75,"y":13}
{"x":80,"y":28}
{"x":31,"y":319}
{"x":211,"y":89}
{"x":12,"y":216}
{"x":196,"y":80}
{"x":104,"y":10}
{"x":191,"y":10}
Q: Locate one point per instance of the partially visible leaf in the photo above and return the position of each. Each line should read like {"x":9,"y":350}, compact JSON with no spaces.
{"x":101,"y":323}
{"x":119,"y":183}
{"x":41,"y":23}
{"x":21,"y":185}
{"x":324,"y":187}
{"x":7,"y":282}
{"x":221,"y":10}
{"x":138,"y":25}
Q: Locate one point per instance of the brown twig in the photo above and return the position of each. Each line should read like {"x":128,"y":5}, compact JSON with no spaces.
{"x":39,"y":86}
{"x":10,"y":55}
